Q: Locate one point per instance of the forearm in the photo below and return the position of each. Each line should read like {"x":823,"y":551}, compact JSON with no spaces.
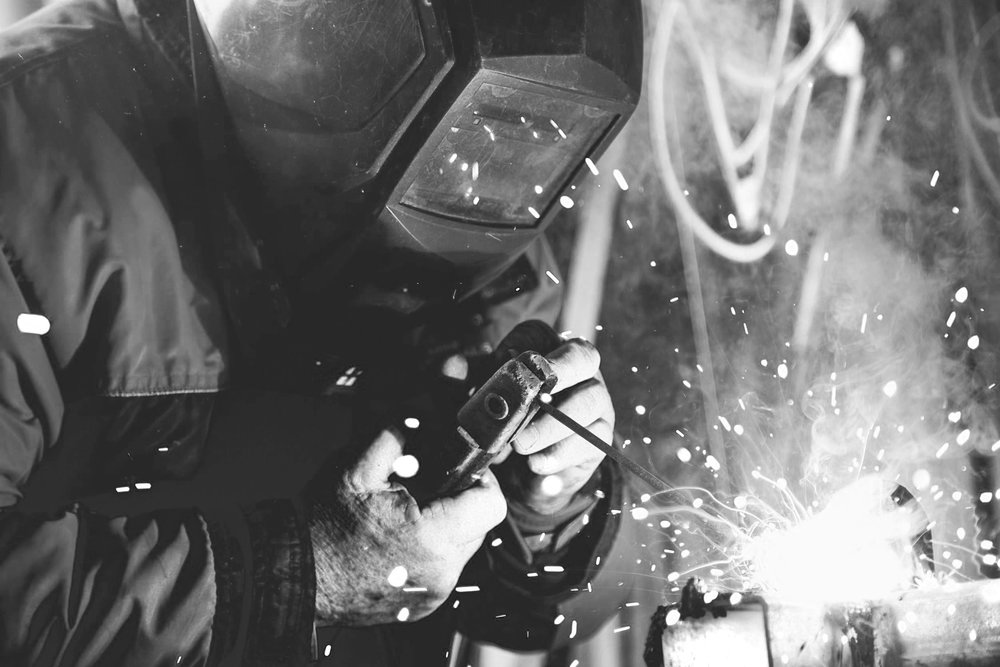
{"x":155,"y":588}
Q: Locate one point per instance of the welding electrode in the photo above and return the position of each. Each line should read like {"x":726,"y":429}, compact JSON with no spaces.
{"x":545,"y":404}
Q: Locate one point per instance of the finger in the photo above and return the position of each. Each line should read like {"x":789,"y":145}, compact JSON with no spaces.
{"x":371,"y":472}
{"x":470,"y":514}
{"x":571,"y":452}
{"x":584,"y":403}
{"x":573,"y":362}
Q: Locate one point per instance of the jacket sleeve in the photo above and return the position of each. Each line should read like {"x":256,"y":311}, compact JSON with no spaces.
{"x":173,"y":587}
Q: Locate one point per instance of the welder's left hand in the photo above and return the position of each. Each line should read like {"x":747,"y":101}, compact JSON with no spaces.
{"x":551,"y":449}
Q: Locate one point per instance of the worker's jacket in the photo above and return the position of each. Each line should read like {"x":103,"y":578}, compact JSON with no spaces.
{"x":149,"y":501}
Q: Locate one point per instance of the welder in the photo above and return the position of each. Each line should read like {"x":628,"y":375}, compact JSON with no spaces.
{"x":241,"y":240}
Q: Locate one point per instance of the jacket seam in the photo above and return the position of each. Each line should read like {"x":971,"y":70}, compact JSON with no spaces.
{"x":61,"y":55}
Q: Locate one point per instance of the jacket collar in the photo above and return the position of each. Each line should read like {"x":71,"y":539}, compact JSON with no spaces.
{"x":160,"y":29}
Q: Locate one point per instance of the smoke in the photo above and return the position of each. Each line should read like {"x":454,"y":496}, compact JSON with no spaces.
{"x":864,"y":342}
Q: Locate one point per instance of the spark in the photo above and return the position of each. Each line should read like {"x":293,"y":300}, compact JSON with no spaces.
{"x":406,"y":466}
{"x":890,"y":388}
{"x":534,"y":213}
{"x":592,"y":166}
{"x":397,"y":577}
{"x":864,"y":322}
{"x":684,"y":454}
{"x":552,"y":277}
{"x":467,"y":589}
{"x":411,"y":423}
{"x":623,"y":628}
{"x":962,"y":295}
{"x":934,"y":177}
{"x":973,"y":342}
{"x":551,"y":485}
{"x":732,"y":221}
{"x":792,"y":247}
{"x":622,"y":183}
{"x":143,"y":486}
{"x":33,"y":324}
{"x":640,"y":410}
{"x":403,"y":614}
{"x":566,"y":202}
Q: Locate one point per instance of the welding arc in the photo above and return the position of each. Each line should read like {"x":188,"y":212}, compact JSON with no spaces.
{"x":622,"y":460}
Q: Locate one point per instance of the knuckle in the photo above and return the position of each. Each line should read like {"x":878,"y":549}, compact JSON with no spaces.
{"x":541,"y":464}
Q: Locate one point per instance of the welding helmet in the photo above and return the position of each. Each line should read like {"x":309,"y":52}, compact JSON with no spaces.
{"x":438,"y":135}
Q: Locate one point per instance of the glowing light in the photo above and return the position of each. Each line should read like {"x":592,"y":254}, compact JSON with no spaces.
{"x":733,"y":224}
{"x":411,"y":422}
{"x":497,"y":542}
{"x":792,"y":247}
{"x":143,"y":486}
{"x":673,"y":576}
{"x":934,"y":177}
{"x":620,"y":179}
{"x":534,"y":213}
{"x":782,"y":371}
{"x":552,"y":277}
{"x":397,"y":577}
{"x":740,"y":502}
{"x":467,"y":589}
{"x":640,"y":410}
{"x":623,"y":628}
{"x":33,"y":324}
{"x":591,"y":166}
{"x":962,"y":294}
{"x":640,"y":513}
{"x":854,"y":541}
{"x":403,"y":615}
{"x":406,"y":466}
{"x":735,"y":599}
{"x":566,"y":202}
{"x":963,"y":437}
{"x":684,"y":454}
{"x":973,"y":342}
{"x":673,"y":617}
{"x":712,"y":463}
{"x":890,"y":388}
{"x":558,"y":619}
{"x":985,"y":497}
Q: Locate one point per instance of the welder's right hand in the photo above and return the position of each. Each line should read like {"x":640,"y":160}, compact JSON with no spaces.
{"x":365,"y":528}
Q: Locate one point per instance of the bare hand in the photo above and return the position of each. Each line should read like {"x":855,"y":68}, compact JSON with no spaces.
{"x":379,"y":557}
{"x":560,"y":462}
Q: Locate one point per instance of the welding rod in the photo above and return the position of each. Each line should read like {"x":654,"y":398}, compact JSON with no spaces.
{"x":545,"y":404}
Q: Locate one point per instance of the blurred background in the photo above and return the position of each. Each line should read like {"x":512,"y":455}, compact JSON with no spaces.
{"x":788,"y":262}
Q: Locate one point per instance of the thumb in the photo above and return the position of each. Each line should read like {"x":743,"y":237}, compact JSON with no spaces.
{"x":371,"y":472}
{"x":469,"y":515}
